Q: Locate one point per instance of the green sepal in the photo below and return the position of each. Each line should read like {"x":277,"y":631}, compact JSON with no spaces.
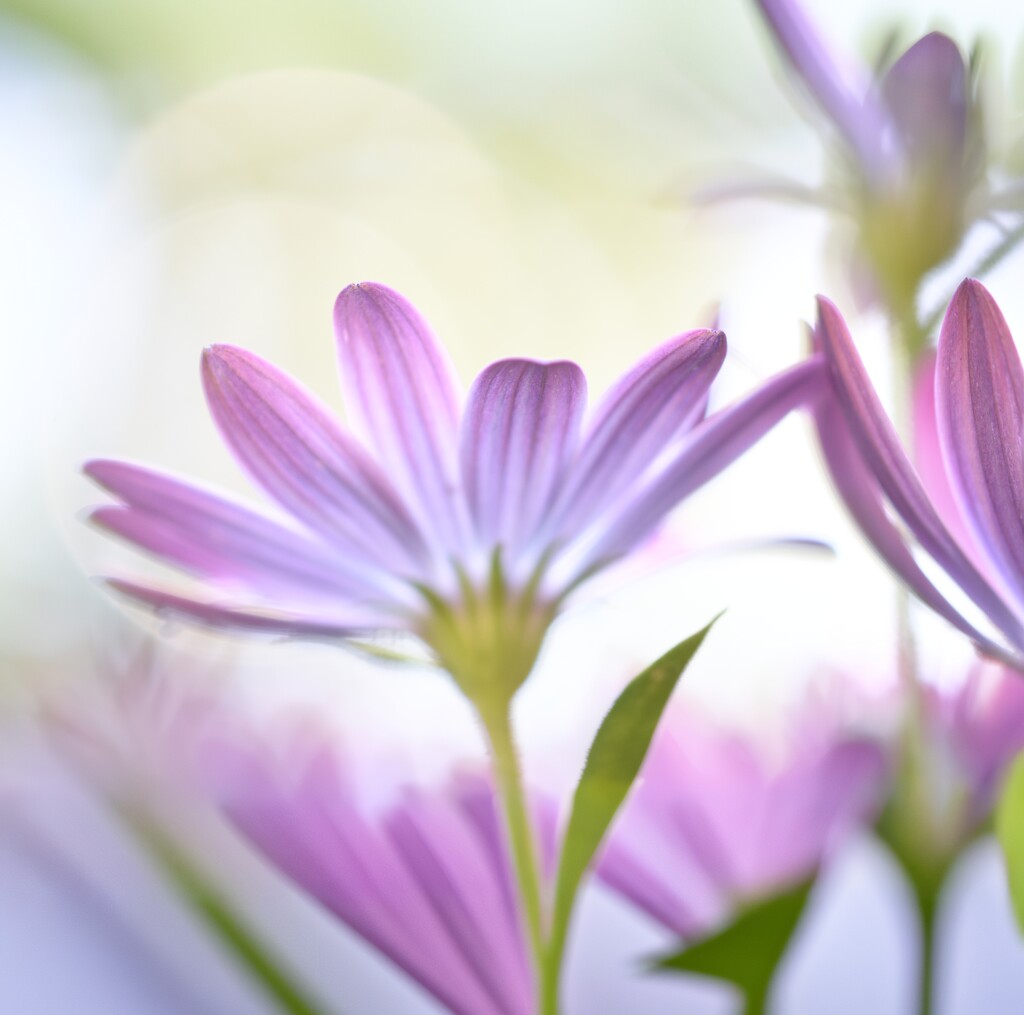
{"x":1010,"y":830}
{"x":748,"y":951}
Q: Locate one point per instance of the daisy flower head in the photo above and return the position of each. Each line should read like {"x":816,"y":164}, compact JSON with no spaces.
{"x":467,"y":522}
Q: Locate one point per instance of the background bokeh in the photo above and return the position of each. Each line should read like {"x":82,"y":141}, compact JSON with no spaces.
{"x":174,"y":175}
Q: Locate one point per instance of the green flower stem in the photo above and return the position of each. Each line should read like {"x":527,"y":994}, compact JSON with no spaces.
{"x":756,"y":1003}
{"x":926,"y":870}
{"x":926,"y":969}
{"x":207,"y":903}
{"x":508,"y":778}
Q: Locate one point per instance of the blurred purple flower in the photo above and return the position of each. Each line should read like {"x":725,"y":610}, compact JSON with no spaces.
{"x":915,"y":137}
{"x":966,"y":505}
{"x":468,"y":527}
{"x":718,"y":821}
{"x":914,"y":117}
{"x":426,"y":880}
{"x":982,"y":724}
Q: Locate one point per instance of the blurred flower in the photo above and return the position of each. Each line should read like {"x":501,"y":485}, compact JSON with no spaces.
{"x":427,"y":880}
{"x":469,"y":534}
{"x":717,"y":821}
{"x":965,"y":506}
{"x":957,"y":744}
{"x":981,"y":724}
{"x":914,"y":147}
{"x":136,"y":728}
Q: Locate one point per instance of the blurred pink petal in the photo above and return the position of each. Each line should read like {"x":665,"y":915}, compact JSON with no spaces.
{"x":716,"y":821}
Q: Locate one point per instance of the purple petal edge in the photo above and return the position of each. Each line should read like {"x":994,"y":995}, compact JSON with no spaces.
{"x":979,"y":399}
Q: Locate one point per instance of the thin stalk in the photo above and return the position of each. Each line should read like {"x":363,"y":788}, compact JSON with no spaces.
{"x":916,"y":819}
{"x":926,"y":968}
{"x":509,"y":781}
{"x":906,"y":349}
{"x":219,"y":917}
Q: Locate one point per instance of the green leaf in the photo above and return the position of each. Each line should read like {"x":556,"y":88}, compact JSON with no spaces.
{"x":614,"y":760}
{"x":748,"y":951}
{"x":1010,"y":829}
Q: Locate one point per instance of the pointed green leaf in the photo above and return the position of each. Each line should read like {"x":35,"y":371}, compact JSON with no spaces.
{"x":748,"y":951}
{"x":1010,"y":829}
{"x":612,"y":765}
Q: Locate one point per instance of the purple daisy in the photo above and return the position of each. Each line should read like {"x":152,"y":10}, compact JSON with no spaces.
{"x":915,"y":117}
{"x":718,"y":821}
{"x":467,"y":525}
{"x":912,"y":160}
{"x":965,"y":506}
{"x":426,"y":880}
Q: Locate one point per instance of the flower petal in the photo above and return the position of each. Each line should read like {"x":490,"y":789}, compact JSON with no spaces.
{"x":717,"y":442}
{"x":925,"y":91}
{"x":980,"y":413}
{"x":520,"y":431}
{"x":464,"y":884}
{"x":210,"y":535}
{"x":402,"y":397}
{"x":300,"y":624}
{"x":841,"y":92}
{"x":929,"y":461}
{"x":860,"y":492}
{"x":877,"y":443}
{"x":393,"y":882}
{"x":294,"y":448}
{"x":660,"y":398}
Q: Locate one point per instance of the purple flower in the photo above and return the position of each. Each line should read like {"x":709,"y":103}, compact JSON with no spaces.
{"x":718,"y":821}
{"x":913,"y":141}
{"x":915,"y":116}
{"x":466,"y":525}
{"x":966,"y":505}
{"x":426,"y":880}
{"x":982,"y":724}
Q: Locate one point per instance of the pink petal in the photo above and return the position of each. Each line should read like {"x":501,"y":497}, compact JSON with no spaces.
{"x":859,"y":490}
{"x":839,"y":89}
{"x":402,"y":397}
{"x":925,"y":91}
{"x":877,"y":443}
{"x":716,"y":443}
{"x":345,"y":622}
{"x":294,"y":448}
{"x":659,"y":399}
{"x":213,"y":536}
{"x":980,"y":412}
{"x":520,"y":431}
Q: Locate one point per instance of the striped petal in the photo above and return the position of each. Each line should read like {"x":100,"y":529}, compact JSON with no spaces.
{"x":716,"y":443}
{"x":659,"y":399}
{"x":417,"y":883}
{"x":465,"y":884}
{"x":294,"y":448}
{"x":860,"y":492}
{"x":519,"y":434}
{"x":222,"y":540}
{"x":980,"y":414}
{"x":876,"y":441}
{"x":343,"y":622}
{"x":928,"y":459}
{"x":402,"y":398}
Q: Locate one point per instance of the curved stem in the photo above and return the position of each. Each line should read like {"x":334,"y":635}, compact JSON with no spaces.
{"x":509,"y":782}
{"x":221,"y":919}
